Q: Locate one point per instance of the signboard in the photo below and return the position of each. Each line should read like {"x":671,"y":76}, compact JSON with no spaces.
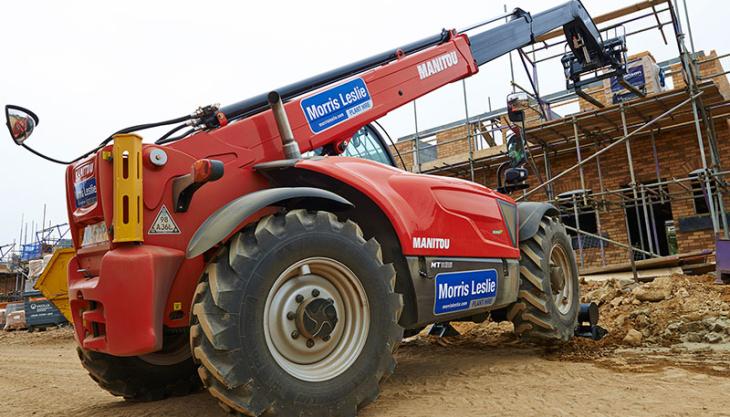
{"x":464,"y":290}
{"x":331,"y":107}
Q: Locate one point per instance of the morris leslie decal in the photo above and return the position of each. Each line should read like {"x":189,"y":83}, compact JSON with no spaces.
{"x":465,"y":290}
{"x":333,"y":106}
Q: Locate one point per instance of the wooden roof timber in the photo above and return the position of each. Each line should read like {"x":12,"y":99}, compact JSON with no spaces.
{"x":648,"y":4}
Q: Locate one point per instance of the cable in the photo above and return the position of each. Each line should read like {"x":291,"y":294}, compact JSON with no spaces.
{"x":111,"y":137}
{"x":163,"y":138}
{"x":48,"y":158}
{"x":151,"y":125}
{"x":392,"y":143}
{"x":176,"y":138}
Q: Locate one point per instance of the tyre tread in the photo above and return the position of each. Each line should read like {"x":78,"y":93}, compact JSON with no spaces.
{"x":118,"y":377}
{"x":215,"y":334}
{"x":530,"y":314}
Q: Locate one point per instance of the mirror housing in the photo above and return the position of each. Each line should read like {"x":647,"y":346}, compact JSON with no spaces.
{"x":517,"y":103}
{"x":20,"y":122}
{"x":515,"y":152}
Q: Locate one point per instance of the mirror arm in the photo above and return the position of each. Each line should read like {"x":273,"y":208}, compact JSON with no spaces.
{"x":48,"y":158}
{"x":30,"y":114}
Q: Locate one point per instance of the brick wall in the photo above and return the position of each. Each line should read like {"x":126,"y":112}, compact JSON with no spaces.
{"x":677,"y":155}
{"x":452,"y":142}
{"x":709,"y":66}
{"x":406,"y":151}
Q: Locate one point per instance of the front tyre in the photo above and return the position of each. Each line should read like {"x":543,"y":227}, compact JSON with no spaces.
{"x":168,"y":373}
{"x":297,"y":316}
{"x":549,"y":301}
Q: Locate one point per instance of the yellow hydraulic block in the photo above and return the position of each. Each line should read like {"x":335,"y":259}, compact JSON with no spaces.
{"x":127,"y":160}
{"x":53,"y":282}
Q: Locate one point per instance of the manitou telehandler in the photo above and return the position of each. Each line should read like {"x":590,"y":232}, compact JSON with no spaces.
{"x":245,"y":254}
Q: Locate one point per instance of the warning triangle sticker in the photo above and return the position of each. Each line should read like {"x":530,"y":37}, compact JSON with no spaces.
{"x":164,"y":224}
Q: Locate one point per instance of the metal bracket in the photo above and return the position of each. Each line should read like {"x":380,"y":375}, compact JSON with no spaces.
{"x":443,"y":329}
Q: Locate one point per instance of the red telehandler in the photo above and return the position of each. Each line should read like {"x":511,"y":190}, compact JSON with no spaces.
{"x":284,"y":283}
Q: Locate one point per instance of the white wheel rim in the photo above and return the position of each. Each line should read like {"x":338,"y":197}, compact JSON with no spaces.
{"x":563,"y":297}
{"x":316,"y":359}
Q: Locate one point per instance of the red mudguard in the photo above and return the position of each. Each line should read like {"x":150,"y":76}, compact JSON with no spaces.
{"x":433,"y":216}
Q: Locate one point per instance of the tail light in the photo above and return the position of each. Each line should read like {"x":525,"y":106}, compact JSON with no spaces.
{"x":205,"y":170}
{"x":184,"y":186}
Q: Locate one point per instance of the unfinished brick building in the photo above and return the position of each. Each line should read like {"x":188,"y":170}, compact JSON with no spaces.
{"x":649,"y":191}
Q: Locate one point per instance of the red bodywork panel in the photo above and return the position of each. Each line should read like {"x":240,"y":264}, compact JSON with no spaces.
{"x":122,"y":295}
{"x":461,"y":218}
{"x":141,"y":275}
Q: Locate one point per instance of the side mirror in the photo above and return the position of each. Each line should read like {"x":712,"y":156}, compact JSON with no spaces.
{"x":515,"y":152}
{"x":20,"y":122}
{"x":517,"y":103}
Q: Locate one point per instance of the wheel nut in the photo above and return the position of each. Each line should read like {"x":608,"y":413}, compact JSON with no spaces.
{"x":299,"y":298}
{"x":290,"y":315}
{"x":310,"y":343}
{"x":315,"y":293}
{"x":295,"y":334}
{"x":326,"y":338}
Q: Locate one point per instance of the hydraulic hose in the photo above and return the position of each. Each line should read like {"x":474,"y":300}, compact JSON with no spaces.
{"x":176,"y":138}
{"x":166,"y":137}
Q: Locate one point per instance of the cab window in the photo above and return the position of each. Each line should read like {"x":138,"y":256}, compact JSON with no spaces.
{"x":368,"y":144}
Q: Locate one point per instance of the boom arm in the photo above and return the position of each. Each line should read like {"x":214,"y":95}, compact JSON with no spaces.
{"x":520,"y":31}
{"x":523,"y":29}
{"x":401,"y":75}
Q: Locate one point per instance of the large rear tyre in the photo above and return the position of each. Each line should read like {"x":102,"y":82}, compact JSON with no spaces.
{"x":153,"y":377}
{"x":549,"y":301}
{"x":297,"y":317}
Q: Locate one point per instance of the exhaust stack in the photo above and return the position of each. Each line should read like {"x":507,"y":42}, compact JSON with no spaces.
{"x":291,"y":147}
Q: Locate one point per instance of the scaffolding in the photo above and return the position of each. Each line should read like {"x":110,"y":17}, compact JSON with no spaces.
{"x":590,"y":134}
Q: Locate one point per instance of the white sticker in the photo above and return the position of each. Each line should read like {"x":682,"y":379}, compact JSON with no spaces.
{"x":431,"y":243}
{"x":164,"y":224}
{"x":437,"y":65}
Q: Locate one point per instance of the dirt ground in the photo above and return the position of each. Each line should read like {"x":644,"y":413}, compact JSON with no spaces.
{"x":678,"y":366}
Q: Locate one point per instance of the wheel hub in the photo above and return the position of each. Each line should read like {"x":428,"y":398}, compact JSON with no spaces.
{"x":316,"y":318}
{"x":303,"y":318}
{"x":557,"y":278}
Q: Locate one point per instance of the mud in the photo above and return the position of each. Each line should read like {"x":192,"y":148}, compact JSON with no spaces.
{"x":679,"y":367}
